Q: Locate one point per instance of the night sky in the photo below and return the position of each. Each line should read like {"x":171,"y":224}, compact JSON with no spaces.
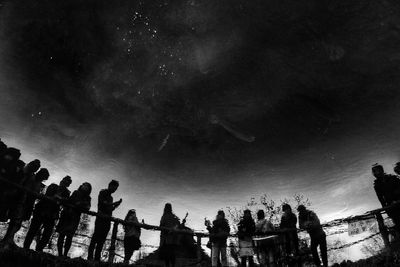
{"x":128,"y":90}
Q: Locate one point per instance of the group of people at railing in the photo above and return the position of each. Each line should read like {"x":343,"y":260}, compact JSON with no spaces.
{"x":260,"y":237}
{"x":61,"y":210}
{"x":20,"y":186}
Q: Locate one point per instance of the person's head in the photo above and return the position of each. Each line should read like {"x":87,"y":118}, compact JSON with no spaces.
{"x":397,"y":168}
{"x":130,"y":213}
{"x":113,"y":186}
{"x":377,"y":171}
{"x":301,"y":209}
{"x":220,"y":215}
{"x":3,"y":147}
{"x":32,"y":166}
{"x":247,"y":214}
{"x":86,"y":188}
{"x":20,"y":166}
{"x":42,"y":175}
{"x":12,"y":154}
{"x":168,"y":208}
{"x":260,"y":215}
{"x":66,"y":181}
{"x":286,"y":208}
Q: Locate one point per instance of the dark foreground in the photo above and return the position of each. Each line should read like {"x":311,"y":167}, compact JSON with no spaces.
{"x":18,"y":257}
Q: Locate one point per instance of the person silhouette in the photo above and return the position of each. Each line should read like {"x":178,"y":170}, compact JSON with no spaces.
{"x":132,"y":235}
{"x":309,"y":221}
{"x":46,"y":213}
{"x":24,"y":203}
{"x":70,"y":217}
{"x":105,"y":206}
{"x":169,"y":239}
{"x":387,"y":188}
{"x":219,"y":232}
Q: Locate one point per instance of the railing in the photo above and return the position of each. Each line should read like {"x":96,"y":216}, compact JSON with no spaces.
{"x":377,"y":214}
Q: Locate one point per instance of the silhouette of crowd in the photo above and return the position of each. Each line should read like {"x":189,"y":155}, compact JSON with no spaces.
{"x":61,"y":211}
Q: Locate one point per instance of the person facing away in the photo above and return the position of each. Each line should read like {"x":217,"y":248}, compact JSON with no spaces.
{"x":309,"y":221}
{"x":387,"y":188}
{"x":219,"y":232}
{"x":79,"y":201}
{"x":24,"y":203}
{"x":266,"y":248}
{"x":246,"y":230}
{"x":132,"y":235}
{"x":168,"y":238}
{"x":288,"y":222}
{"x":105,"y":206}
{"x":46,"y":213}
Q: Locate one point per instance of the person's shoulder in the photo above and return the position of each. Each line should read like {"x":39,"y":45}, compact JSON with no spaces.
{"x":53,"y":185}
{"x":103,"y":191}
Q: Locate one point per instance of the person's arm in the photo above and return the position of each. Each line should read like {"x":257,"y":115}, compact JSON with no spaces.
{"x":314,"y":220}
{"x":302,"y":223}
{"x":283,"y":222}
{"x":380,"y":196}
{"x":116,"y":204}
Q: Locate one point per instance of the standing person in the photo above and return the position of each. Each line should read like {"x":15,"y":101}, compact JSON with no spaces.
{"x":289,"y":222}
{"x":219,"y":232}
{"x":105,"y":206}
{"x":309,"y":221}
{"x":387,"y":188}
{"x":46,"y":213}
{"x":9,"y":163}
{"x":169,"y":239}
{"x":11,"y":193}
{"x":265,"y":248}
{"x":11,"y":198}
{"x":132,"y":235}
{"x":80,"y":200}
{"x":24,"y":204}
{"x":246,"y":230}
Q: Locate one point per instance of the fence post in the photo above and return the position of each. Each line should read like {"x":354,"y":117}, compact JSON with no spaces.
{"x":199,"y":249}
{"x":111,"y":251}
{"x":383,"y":230}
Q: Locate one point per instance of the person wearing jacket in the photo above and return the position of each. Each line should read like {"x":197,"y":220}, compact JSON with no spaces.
{"x":289,"y":222}
{"x":132,"y":235}
{"x":70,"y":217}
{"x":219,"y":232}
{"x":246,"y":230}
{"x":309,"y":221}
{"x":266,"y":247}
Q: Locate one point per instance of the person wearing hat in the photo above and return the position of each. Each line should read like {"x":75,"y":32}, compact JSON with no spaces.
{"x":46,"y":212}
{"x":132,"y":235}
{"x":387,"y":188}
{"x":309,"y":221}
{"x":219,"y":232}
